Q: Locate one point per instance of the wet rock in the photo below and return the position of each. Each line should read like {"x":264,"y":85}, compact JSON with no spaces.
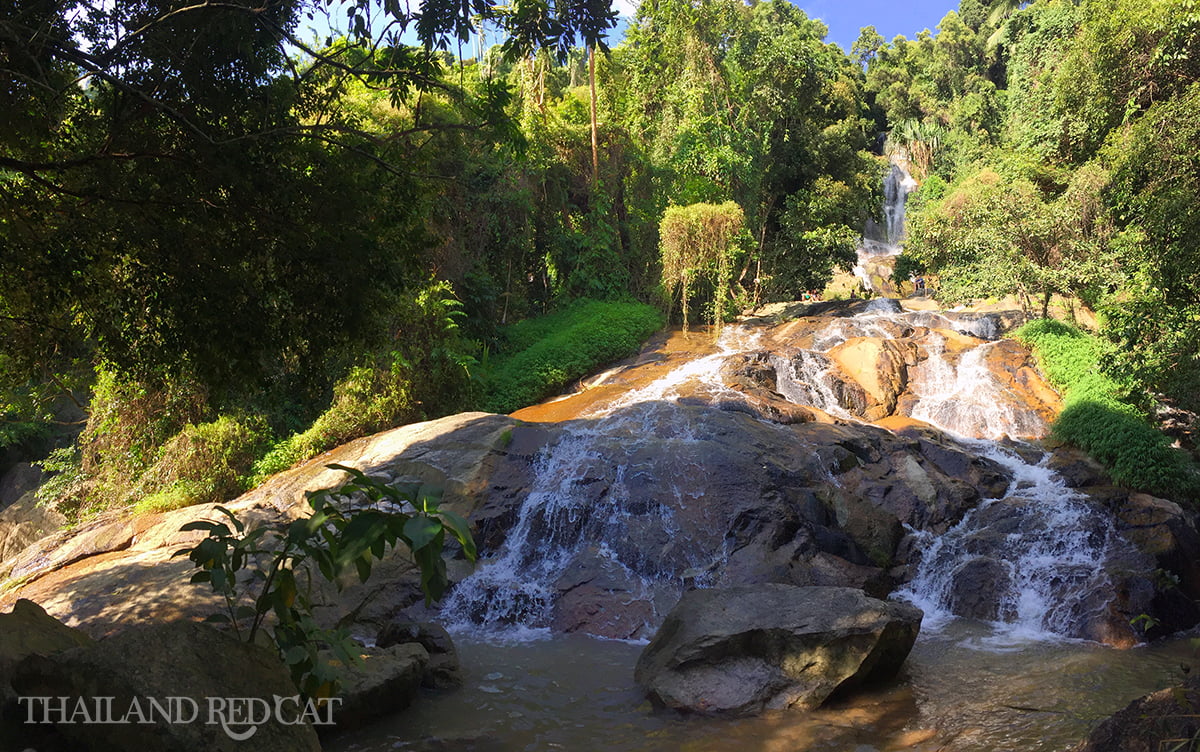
{"x":1165,"y":532}
{"x":1076,"y":468}
{"x":740,"y":651}
{"x":598,"y":596}
{"x":1015,"y":368}
{"x":386,"y":681}
{"x":444,"y":670}
{"x":978,"y":586}
{"x":880,"y":366}
{"x":173,"y":660}
{"x":753,"y":376}
{"x":597,"y":611}
{"x":1161,"y":720}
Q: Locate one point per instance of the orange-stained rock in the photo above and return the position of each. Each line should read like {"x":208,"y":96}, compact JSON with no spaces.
{"x":880,"y":366}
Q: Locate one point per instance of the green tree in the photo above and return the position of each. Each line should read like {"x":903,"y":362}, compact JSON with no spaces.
{"x":699,"y":243}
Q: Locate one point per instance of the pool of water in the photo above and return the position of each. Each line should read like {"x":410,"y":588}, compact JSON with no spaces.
{"x":964,"y":688}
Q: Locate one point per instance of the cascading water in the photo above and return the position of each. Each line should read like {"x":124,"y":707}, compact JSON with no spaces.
{"x":580,"y":506}
{"x":883,"y":240}
{"x":965,"y":400}
{"x":1033,"y":560}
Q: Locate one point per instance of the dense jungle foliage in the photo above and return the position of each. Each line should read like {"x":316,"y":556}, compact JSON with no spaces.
{"x":225,"y":249}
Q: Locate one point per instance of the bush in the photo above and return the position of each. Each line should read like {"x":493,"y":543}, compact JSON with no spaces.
{"x":368,"y":400}
{"x":203,"y":463}
{"x":426,"y":375}
{"x":1097,"y":419}
{"x":543,"y":355}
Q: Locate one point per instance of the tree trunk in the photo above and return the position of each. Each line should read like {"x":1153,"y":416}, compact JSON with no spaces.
{"x":595,"y":138}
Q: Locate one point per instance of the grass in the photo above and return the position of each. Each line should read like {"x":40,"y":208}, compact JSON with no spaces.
{"x":542,"y":356}
{"x":1096,"y":417}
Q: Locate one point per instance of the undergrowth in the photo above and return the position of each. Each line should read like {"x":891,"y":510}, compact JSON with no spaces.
{"x":1097,"y":418}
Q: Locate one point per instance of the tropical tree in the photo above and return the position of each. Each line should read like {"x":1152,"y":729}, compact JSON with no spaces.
{"x":699,"y":243}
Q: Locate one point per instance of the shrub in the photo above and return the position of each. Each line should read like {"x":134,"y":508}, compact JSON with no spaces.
{"x":1097,"y":419}
{"x":368,"y":400}
{"x":203,"y":463}
{"x":546,"y":354}
{"x":427,"y":374}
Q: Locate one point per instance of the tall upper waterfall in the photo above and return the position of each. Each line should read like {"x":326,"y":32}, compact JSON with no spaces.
{"x":882,"y":240}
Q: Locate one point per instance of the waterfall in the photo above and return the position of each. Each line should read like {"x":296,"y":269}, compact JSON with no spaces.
{"x":602,"y":517}
{"x":1033,"y":562}
{"x":966,"y":400}
{"x":897,"y":184}
{"x":580,"y":506}
{"x":807,"y":379}
{"x":881,"y":240}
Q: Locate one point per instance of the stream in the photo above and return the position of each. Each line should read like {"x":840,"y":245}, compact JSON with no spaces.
{"x":963,"y":688}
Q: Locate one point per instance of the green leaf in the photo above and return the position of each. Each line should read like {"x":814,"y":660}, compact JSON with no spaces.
{"x":295,"y":655}
{"x":462,"y":531}
{"x":420,"y":531}
{"x":363,"y":565}
{"x":217,"y":619}
{"x":200,"y":577}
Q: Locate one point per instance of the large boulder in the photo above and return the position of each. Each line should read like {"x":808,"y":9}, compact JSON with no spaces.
{"x":24,"y":521}
{"x":183,"y":667}
{"x":880,"y":366}
{"x":743,"y":650}
{"x":17,"y":481}
{"x":445,"y":671}
{"x":29,"y":630}
{"x":1166,"y":719}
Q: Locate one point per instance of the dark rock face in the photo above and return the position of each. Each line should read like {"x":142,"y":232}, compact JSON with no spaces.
{"x":385,"y":682}
{"x":17,"y":481}
{"x":168,"y":661}
{"x":978,"y":585}
{"x":27,"y":631}
{"x":740,"y":651}
{"x":713,"y":497}
{"x":1167,"y":719}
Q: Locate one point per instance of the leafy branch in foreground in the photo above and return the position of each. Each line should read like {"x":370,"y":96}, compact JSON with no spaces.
{"x":332,"y":539}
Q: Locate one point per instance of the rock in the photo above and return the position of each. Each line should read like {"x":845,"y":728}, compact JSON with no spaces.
{"x":387,"y":681}
{"x":978,"y":586}
{"x":597,"y":596}
{"x":24,"y":522}
{"x":880,"y":366}
{"x":187,"y":660}
{"x":1161,"y":720}
{"x":444,"y":671}
{"x":1016,"y":371}
{"x":740,"y":651}
{"x":1076,"y":468}
{"x":19,"y":480}
{"x":29,"y":630}
{"x":1162,"y":530}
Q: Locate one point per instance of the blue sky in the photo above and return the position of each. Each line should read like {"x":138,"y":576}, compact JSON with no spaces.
{"x":845,"y":17}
